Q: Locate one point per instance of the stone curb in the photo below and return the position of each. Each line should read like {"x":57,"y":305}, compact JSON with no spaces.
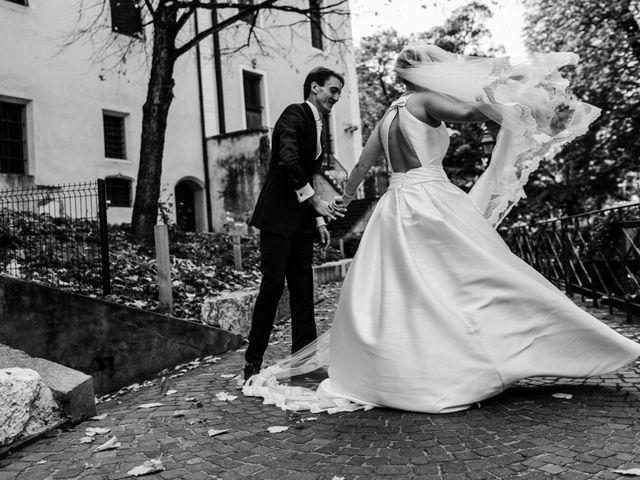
{"x":232,"y":311}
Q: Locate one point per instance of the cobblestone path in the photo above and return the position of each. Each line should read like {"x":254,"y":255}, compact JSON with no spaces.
{"x":526,"y":432}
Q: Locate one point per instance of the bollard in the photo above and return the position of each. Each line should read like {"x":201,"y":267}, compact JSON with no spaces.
{"x":237,"y":252}
{"x":163,"y":263}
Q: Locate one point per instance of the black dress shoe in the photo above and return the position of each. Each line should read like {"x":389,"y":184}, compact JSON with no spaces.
{"x":249,"y":370}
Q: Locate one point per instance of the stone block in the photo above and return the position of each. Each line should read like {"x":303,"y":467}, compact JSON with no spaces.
{"x":27,"y":406}
{"x":331,"y":271}
{"x":72,"y":389}
{"x":232,"y":310}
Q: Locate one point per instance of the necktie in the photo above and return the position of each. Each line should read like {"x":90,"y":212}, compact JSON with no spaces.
{"x":318,"y":141}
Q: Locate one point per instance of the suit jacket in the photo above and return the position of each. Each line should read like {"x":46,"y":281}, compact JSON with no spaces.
{"x":293,"y":163}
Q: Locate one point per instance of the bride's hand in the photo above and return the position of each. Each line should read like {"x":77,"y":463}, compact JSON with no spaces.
{"x":341,"y":202}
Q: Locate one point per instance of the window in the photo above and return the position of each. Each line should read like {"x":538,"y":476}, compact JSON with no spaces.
{"x":252,"y":99}
{"x":114,"y":139}
{"x":316,"y":24}
{"x":118,"y":191}
{"x":250,"y":18}
{"x":125,"y":17}
{"x":12,"y":138}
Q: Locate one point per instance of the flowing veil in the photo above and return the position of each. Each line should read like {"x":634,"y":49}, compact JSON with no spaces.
{"x":526,"y":96}
{"x":537,"y":114}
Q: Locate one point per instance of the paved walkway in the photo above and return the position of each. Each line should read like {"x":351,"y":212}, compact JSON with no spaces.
{"x":525,"y":432}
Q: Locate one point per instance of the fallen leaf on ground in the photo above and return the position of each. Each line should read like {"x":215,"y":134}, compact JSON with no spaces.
{"x":87,"y":440}
{"x":225,"y":397}
{"x":212,"y":432}
{"x":277,"y":429}
{"x":99,"y":417}
{"x":190,"y":399}
{"x":566,"y":396}
{"x":42,"y":462}
{"x":171,"y":392}
{"x":150,"y":466}
{"x":150,"y":405}
{"x":228,"y":375}
{"x":632,"y":471}
{"x":92,"y":431}
{"x":109,"y":444}
{"x":179,"y":413}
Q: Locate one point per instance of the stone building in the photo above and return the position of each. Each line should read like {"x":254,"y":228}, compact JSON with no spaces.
{"x":70,"y":111}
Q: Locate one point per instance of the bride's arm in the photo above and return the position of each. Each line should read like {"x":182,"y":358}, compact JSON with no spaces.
{"x":446,"y":110}
{"x":370,"y":153}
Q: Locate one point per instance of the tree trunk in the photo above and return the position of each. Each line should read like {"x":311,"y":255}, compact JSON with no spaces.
{"x":154,"y":126}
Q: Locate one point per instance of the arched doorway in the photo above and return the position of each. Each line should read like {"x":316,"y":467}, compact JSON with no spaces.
{"x":185,"y":206}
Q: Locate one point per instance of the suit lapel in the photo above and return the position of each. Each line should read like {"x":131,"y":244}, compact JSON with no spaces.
{"x":313,"y":139}
{"x":311,"y":121}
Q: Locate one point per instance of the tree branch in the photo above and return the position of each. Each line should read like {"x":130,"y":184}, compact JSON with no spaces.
{"x":222,"y":25}
{"x":152,"y":11}
{"x":184,"y":18}
{"x":245,"y":10}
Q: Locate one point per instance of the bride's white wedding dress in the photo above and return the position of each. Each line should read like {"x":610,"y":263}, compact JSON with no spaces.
{"x":436,"y":313}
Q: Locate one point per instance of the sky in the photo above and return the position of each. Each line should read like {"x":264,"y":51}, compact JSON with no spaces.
{"x":416,"y":16}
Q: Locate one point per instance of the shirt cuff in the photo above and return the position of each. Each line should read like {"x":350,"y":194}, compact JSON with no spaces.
{"x":305,"y":193}
{"x":320,"y":222}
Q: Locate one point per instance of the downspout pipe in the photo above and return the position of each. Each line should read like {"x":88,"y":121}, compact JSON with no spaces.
{"x":218,"y":72}
{"x":205,"y":151}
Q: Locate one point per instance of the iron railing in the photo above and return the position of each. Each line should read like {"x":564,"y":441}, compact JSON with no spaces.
{"x":56,"y":235}
{"x":594,"y":254}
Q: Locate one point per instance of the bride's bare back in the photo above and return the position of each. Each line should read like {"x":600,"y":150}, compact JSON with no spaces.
{"x":428,"y":108}
{"x":402,"y":155}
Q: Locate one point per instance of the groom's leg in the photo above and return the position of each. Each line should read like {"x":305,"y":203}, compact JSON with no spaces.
{"x":300,"y":283}
{"x":273,"y":260}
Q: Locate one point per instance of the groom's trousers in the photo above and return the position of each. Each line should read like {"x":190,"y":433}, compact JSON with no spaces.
{"x":291,"y":259}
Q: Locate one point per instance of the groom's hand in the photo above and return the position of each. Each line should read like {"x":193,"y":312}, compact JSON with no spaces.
{"x":325,"y":236}
{"x":326,"y":209}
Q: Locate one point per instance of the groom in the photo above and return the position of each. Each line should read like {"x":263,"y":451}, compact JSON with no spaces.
{"x":288,"y":213}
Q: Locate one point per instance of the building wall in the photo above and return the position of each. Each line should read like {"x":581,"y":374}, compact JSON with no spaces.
{"x":67,"y":93}
{"x":66,"y":89}
{"x":284,"y":62}
{"x":240,"y":162}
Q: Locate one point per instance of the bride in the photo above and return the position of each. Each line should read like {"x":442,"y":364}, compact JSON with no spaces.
{"x":436,"y":313}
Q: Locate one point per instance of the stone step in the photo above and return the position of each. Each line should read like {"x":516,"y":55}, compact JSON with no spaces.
{"x":72,"y":389}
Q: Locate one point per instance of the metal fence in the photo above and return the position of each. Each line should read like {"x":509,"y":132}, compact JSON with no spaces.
{"x":56,"y":235}
{"x":595,"y":254}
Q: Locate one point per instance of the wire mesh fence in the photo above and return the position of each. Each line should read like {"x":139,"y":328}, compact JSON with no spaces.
{"x":56,"y":235}
{"x":595,"y":254}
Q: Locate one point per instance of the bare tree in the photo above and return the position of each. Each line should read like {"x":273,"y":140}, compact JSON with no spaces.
{"x":167,"y":25}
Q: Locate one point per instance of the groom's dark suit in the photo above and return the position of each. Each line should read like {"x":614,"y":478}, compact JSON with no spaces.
{"x":287,"y":228}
